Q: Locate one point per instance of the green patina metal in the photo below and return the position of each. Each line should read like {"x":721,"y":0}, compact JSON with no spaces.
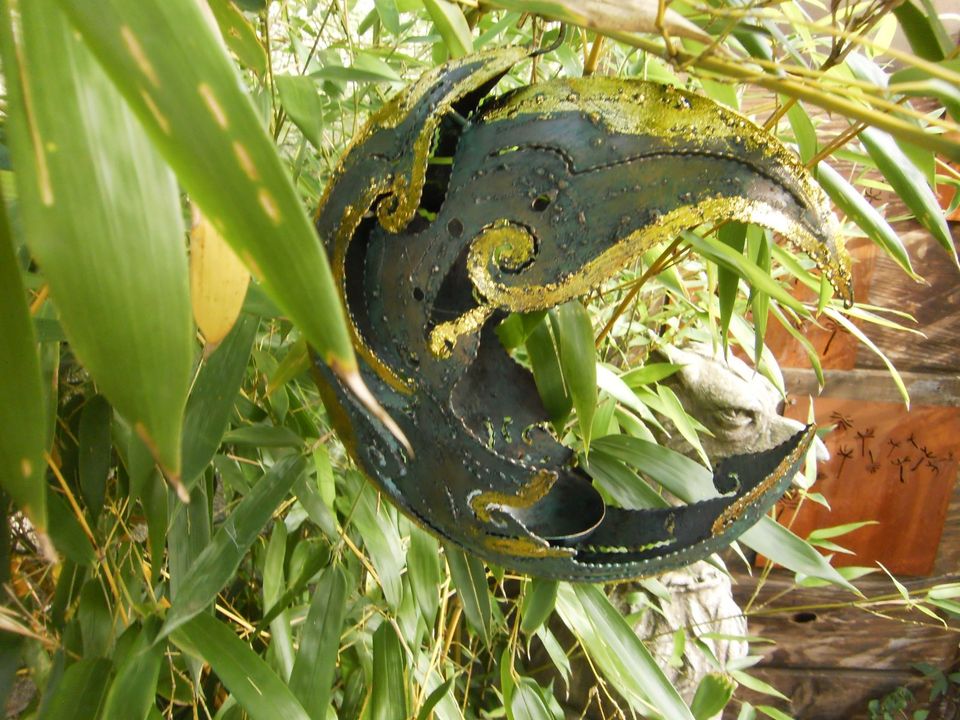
{"x":551,"y":189}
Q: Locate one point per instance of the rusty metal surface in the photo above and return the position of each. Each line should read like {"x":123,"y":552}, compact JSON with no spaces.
{"x":450,"y":210}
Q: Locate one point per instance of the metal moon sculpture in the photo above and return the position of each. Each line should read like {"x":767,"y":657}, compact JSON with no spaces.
{"x":552,"y":188}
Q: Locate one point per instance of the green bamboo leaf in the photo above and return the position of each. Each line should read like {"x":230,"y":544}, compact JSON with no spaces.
{"x":623,"y":485}
{"x":804,"y":132}
{"x":134,"y":689}
{"x":578,"y":361}
{"x":65,"y":532}
{"x":450,"y":22}
{"x":211,"y":400}
{"x":910,"y":184}
{"x":187,"y":537}
{"x":165,"y":59}
{"x":261,"y":436}
{"x":274,"y":581}
{"x":366,"y":68}
{"x":545,"y":363}
{"x":79,"y":693}
{"x":239,"y":35}
{"x":95,"y":452}
{"x":306,"y":561}
{"x":381,"y":540}
{"x":713,"y":693}
{"x":866,"y":217}
{"x":556,"y":653}
{"x":757,"y":241}
{"x":389,"y":15}
{"x":758,"y":685}
{"x":618,"y":652}
{"x":921,"y":31}
{"x":220,"y":559}
{"x":734,"y":235}
{"x":470,"y":580}
{"x":852,"y":328}
{"x":686,"y":425}
{"x":388,"y":699}
{"x":683,"y":477}
{"x":772,"y":712}
{"x":313,"y":669}
{"x":251,"y":681}
{"x":526,"y":703}
{"x":539,"y":599}
{"x":102,"y":218}
{"x":423,"y":569}
{"x":299,"y":97}
{"x":725,"y":256}
{"x":433,"y":699}
{"x":773,"y":540}
{"x":22,"y":412}
{"x":96,"y":620}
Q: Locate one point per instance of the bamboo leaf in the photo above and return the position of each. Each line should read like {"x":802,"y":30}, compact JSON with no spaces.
{"x":251,"y":681}
{"x":725,"y":256}
{"x":313,"y":669}
{"x":239,"y":35}
{"x":526,"y":703}
{"x":866,"y":217}
{"x":470,"y":580}
{"x":165,"y":59}
{"x":79,"y":693}
{"x":423,"y":569}
{"x":452,"y":25}
{"x":773,"y":540}
{"x":734,"y":235}
{"x":300,"y":99}
{"x":221,"y":558}
{"x":95,"y":452}
{"x":578,"y":362}
{"x":218,"y":283}
{"x":618,"y":652}
{"x":102,"y":218}
{"x":539,"y":599}
{"x":547,"y":375}
{"x":685,"y":478}
{"x":713,"y":693}
{"x":381,"y":539}
{"x":388,"y":700}
{"x":921,"y":31}
{"x":134,"y":689}
{"x":910,"y":184}
{"x":212,"y":398}
{"x":623,"y":485}
{"x":22,"y":412}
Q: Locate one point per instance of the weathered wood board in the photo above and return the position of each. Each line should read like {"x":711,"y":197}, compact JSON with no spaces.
{"x":889,"y":465}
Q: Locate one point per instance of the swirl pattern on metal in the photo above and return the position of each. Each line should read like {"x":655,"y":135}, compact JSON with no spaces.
{"x":552,"y":188}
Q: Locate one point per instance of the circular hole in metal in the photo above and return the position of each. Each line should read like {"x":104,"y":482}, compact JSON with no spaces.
{"x":804,"y":617}
{"x":455,"y":227}
{"x":417,"y":294}
{"x":541,"y":202}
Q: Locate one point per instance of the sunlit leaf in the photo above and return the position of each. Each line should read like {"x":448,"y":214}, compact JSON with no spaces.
{"x":617,"y":651}
{"x":388,"y":699}
{"x":452,"y":25}
{"x":218,"y":283}
{"x":300,"y":99}
{"x":578,"y":363}
{"x":177,"y":78}
{"x":102,"y":217}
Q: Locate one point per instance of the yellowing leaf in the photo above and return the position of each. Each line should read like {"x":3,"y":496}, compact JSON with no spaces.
{"x":218,"y":283}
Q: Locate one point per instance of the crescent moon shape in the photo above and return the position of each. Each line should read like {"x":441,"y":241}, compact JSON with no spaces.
{"x":546,"y":191}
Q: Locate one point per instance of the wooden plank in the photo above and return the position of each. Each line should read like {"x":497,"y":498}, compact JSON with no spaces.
{"x":821,"y":627}
{"x":831,"y":694}
{"x":863,"y":384}
{"x":936,"y":307}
